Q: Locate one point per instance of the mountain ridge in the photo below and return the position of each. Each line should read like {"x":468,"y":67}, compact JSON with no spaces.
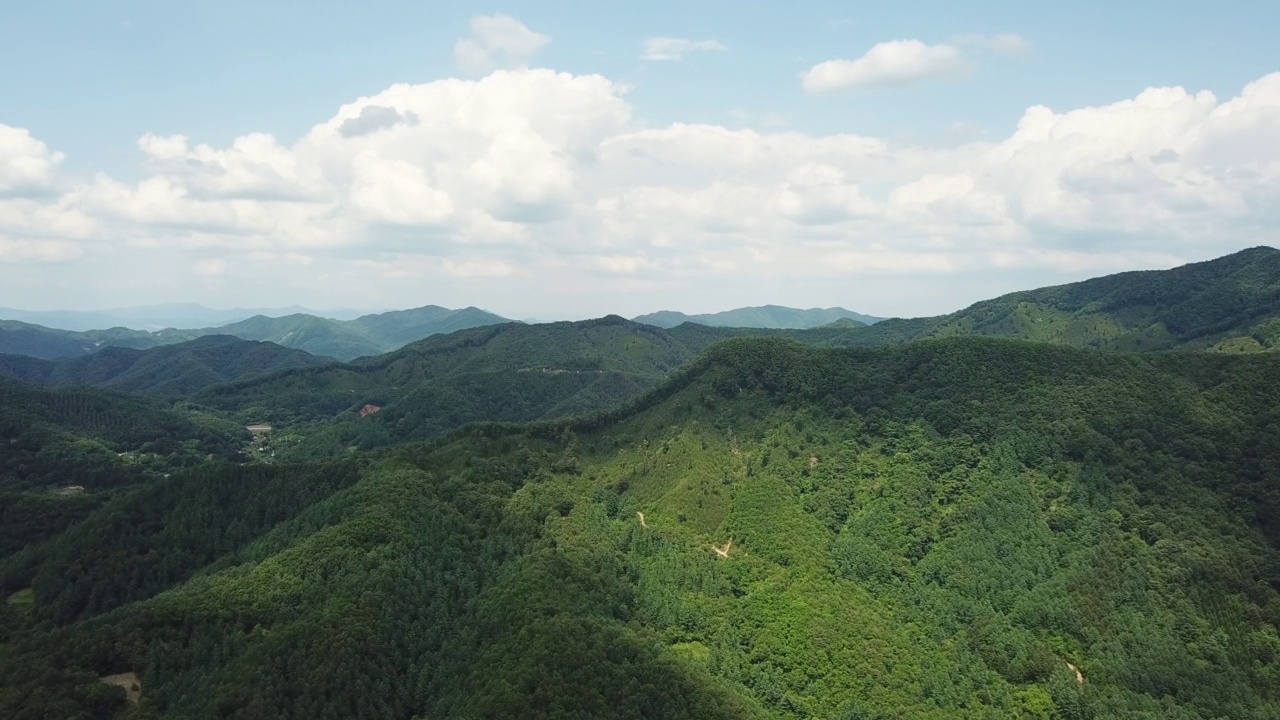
{"x":758,"y":316}
{"x":369,"y":334}
{"x":175,"y":370}
{"x":1229,"y":304}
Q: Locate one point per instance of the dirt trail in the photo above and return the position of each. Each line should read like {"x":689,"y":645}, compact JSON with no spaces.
{"x":723,"y":551}
{"x":1079,"y":675}
{"x":131,"y":683}
{"x":642,"y":522}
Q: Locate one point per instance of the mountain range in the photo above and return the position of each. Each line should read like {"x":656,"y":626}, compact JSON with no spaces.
{"x":340,"y":339}
{"x":172,"y":370}
{"x":182,"y":316}
{"x":1057,"y":504}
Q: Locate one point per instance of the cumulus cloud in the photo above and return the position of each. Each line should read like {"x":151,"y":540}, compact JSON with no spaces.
{"x":497,"y":40}
{"x":887,"y":64}
{"x":25,"y":162}
{"x":541,"y":184}
{"x":898,"y":63}
{"x":669,"y":48}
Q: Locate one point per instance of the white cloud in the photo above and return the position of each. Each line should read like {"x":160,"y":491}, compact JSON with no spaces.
{"x":497,"y":40}
{"x":898,"y":63}
{"x":25,"y":162}
{"x":536,"y":184}
{"x":888,"y":64}
{"x":669,"y":48}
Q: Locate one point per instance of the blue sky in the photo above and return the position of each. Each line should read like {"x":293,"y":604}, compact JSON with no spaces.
{"x":89,"y":80}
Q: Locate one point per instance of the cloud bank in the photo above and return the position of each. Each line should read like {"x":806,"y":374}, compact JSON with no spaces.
{"x":531,"y":183}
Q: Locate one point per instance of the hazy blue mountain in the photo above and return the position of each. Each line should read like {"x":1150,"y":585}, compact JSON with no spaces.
{"x":764,"y":316}
{"x":341,"y":339}
{"x":401,"y":327}
{"x":184,"y":316}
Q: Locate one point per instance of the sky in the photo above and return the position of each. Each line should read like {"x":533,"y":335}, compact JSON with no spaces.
{"x":574,"y":159}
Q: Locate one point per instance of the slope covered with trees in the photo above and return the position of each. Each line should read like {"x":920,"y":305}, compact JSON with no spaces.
{"x":1231,"y":304}
{"x":955,"y":528}
{"x":99,"y":439}
{"x":172,"y":370}
{"x":509,"y":372}
{"x":341,"y":339}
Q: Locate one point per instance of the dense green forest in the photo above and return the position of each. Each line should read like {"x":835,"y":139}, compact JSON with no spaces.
{"x":1231,"y":304}
{"x":510,"y":372}
{"x":611,"y":519}
{"x":171,"y":370}
{"x":948,"y":529}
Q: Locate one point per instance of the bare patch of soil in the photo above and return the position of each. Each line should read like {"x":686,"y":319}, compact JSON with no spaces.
{"x":131,"y":683}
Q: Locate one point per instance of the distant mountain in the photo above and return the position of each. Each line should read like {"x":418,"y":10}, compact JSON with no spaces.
{"x":182,"y":316}
{"x":366,"y":335}
{"x":19,"y":338}
{"x":173,"y":370}
{"x":1230,"y":304}
{"x":340,"y":339}
{"x":764,"y":316}
{"x":401,"y":327}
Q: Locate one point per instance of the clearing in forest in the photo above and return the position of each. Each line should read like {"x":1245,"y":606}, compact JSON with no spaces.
{"x":23,"y":600}
{"x":723,"y":551}
{"x":131,"y":683}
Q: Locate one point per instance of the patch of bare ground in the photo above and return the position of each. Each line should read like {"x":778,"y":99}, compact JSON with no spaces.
{"x":131,"y":683}
{"x":723,"y":551}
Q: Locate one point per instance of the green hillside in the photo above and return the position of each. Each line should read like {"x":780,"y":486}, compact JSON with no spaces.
{"x":510,"y":372}
{"x":172,"y":370}
{"x":1231,"y":304}
{"x":95,"y":438}
{"x":764,"y":316}
{"x":949,"y":529}
{"x":19,"y":338}
{"x":65,"y":452}
{"x":325,"y":337}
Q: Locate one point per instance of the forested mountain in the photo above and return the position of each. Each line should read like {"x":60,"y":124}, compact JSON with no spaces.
{"x":509,"y":372}
{"x":172,"y":370}
{"x":95,"y":438}
{"x":765,"y":316}
{"x":340,"y":339}
{"x":1231,"y":304}
{"x":19,"y":338}
{"x":954,"y":528}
